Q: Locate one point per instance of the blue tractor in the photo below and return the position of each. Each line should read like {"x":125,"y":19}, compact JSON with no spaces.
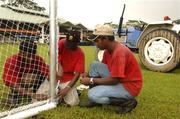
{"x":132,"y":30}
{"x":158,"y":43}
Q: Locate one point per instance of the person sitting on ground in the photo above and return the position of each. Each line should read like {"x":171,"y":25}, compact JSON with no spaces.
{"x":71,"y":61}
{"x":24,"y":72}
{"x":117,"y":80}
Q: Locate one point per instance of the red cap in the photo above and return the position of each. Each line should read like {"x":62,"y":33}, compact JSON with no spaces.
{"x":167,"y":18}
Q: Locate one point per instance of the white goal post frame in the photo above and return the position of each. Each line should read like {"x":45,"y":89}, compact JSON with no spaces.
{"x":28,"y":110}
{"x":37,"y":107}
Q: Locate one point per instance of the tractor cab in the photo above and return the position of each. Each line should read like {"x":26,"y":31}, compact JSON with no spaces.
{"x":132,"y":31}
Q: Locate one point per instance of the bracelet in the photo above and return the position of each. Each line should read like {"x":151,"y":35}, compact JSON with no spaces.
{"x":91,"y":81}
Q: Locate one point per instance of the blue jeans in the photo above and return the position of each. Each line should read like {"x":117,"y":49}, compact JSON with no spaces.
{"x":101,"y":93}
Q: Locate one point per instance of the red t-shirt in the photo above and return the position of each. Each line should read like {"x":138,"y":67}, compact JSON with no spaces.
{"x":15,"y":67}
{"x":71,"y":61}
{"x":122,"y":64}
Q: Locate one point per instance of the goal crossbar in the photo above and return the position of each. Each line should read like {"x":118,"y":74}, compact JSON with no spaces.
{"x":28,"y":110}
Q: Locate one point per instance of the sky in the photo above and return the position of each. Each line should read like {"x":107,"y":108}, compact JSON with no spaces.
{"x":93,"y":12}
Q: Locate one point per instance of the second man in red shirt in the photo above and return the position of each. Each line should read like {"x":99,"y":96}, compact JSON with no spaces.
{"x":72,"y":60}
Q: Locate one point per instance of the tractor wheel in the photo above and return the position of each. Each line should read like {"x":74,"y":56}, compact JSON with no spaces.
{"x":159,"y":50}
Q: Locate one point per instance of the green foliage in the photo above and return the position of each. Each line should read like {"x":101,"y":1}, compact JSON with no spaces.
{"x":29,"y":4}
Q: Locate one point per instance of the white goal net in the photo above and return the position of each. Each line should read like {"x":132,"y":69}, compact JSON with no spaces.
{"x":24,"y":58}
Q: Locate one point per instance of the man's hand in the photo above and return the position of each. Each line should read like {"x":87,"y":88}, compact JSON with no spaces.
{"x":63,"y":92}
{"x":85,"y":81}
{"x":40,"y":97}
{"x":84,"y":75}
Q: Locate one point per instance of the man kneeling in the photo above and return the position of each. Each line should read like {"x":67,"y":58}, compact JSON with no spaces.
{"x":117,"y":80}
{"x":24,"y":72}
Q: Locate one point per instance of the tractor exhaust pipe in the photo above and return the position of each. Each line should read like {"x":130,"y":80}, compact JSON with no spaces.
{"x":121,"y":21}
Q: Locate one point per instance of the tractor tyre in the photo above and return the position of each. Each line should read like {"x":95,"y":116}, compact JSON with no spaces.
{"x":159,"y":50}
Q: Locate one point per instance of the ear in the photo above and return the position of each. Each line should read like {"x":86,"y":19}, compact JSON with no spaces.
{"x":100,"y":40}
{"x":104,"y":40}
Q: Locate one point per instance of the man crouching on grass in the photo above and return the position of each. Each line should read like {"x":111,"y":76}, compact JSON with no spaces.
{"x":71,"y":60}
{"x":117,"y":80}
{"x":24,"y":72}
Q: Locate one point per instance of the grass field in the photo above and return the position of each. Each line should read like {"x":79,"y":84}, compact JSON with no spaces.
{"x":159,"y":99}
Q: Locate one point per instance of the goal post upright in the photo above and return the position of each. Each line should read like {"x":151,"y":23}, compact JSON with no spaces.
{"x":37,"y":107}
{"x":53,"y":46}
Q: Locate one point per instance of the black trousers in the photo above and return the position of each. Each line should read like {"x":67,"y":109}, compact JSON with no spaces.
{"x":17,"y":97}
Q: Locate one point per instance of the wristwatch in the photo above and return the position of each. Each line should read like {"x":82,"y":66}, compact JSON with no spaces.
{"x":91,"y":81}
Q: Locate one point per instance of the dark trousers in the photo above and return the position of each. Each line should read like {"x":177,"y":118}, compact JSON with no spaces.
{"x":16,"y":97}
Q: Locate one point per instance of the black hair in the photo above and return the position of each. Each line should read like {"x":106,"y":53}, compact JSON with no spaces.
{"x":73,"y":36}
{"x":28,"y":46}
{"x":111,"y":38}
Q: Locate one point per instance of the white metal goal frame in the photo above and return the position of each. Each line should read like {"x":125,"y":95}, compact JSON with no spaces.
{"x":34,"y":108}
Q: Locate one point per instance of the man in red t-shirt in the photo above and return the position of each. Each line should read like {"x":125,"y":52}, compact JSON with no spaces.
{"x":118,"y":78}
{"x":24,"y":73}
{"x":71,"y":59}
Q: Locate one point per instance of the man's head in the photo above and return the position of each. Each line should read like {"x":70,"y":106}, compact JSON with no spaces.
{"x":72,"y":39}
{"x":102,"y":36}
{"x":27,"y":49}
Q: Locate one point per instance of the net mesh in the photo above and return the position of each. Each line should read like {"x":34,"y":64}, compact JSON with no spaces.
{"x":24,"y":55}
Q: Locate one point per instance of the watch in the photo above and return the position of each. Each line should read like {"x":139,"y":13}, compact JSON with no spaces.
{"x":91,"y":81}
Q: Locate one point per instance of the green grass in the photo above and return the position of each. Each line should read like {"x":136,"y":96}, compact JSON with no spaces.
{"x":159,"y":98}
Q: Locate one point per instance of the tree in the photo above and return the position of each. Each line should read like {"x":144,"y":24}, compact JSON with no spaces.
{"x":3,"y":0}
{"x":29,"y":4}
